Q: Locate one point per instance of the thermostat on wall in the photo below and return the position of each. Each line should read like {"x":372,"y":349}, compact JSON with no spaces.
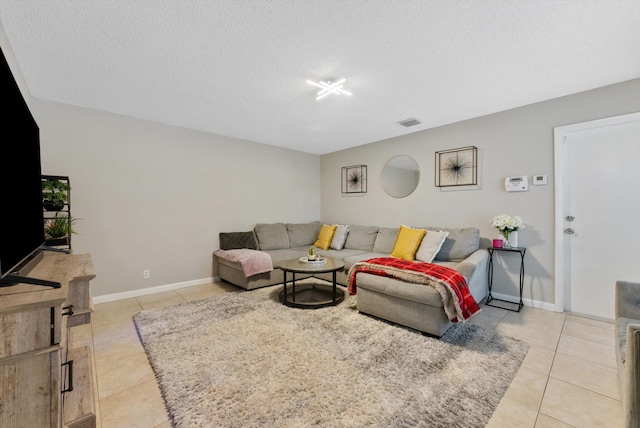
{"x":516,"y":184}
{"x":539,"y":180}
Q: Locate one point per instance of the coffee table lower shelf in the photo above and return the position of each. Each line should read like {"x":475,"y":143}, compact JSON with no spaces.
{"x":311,"y":296}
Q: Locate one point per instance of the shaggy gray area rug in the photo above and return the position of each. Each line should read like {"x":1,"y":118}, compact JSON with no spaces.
{"x":243,"y":359}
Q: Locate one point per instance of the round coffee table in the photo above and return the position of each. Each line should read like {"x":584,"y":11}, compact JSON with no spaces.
{"x":310,"y":296}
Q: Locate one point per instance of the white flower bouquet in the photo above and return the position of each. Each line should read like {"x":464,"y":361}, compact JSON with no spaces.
{"x":507,"y":224}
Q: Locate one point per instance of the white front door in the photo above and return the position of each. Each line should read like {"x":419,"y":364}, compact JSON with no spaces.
{"x":597,"y":212}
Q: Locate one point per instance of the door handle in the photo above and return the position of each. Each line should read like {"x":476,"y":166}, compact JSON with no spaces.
{"x":569,"y":231}
{"x":69,"y":364}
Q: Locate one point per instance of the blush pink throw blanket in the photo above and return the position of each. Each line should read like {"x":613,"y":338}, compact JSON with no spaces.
{"x":252,"y":262}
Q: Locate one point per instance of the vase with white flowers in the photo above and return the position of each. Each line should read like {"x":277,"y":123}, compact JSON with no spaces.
{"x":506,"y":225}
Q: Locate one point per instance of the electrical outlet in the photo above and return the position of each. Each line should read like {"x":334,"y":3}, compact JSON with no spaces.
{"x":146,"y":274}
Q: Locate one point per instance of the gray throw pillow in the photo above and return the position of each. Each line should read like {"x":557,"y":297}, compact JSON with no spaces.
{"x":236,"y":240}
{"x":460,"y":243}
{"x":386,"y":240}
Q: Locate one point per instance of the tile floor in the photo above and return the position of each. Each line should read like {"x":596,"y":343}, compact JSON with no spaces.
{"x":568,"y":379}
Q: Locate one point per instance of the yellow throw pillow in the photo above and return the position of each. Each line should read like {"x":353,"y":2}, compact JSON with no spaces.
{"x":407,"y":243}
{"x":325,"y":236}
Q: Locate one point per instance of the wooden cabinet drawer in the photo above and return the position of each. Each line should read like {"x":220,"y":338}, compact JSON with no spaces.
{"x":29,"y":392}
{"x":33,"y":327}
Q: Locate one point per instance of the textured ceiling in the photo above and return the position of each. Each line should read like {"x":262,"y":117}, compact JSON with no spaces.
{"x":239,"y":68}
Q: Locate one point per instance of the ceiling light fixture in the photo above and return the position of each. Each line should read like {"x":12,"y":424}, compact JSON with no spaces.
{"x":329,"y":88}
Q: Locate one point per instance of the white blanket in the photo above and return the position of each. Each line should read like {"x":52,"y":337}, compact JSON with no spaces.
{"x":252,"y":262}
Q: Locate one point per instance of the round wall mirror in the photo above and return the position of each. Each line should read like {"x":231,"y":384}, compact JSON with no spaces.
{"x":400,"y":176}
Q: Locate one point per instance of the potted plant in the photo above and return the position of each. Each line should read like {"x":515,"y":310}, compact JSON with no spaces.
{"x":58,"y":229}
{"x":54,"y":194}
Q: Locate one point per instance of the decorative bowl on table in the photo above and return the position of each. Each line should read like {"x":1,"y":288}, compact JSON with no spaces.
{"x":317,"y":261}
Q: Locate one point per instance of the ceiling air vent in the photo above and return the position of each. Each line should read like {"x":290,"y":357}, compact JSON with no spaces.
{"x":409,"y":122}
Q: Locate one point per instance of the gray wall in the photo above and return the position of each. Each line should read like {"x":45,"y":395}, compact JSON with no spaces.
{"x":155,"y":197}
{"x":513,"y":142}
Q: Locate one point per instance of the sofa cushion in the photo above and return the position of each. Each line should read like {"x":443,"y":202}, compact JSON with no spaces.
{"x":302,"y":234}
{"x":237,"y":240}
{"x":407,"y":243}
{"x":340,"y":255}
{"x":459,"y":244}
{"x":420,"y":293}
{"x":325,"y":236}
{"x":359,"y":256}
{"x":361,"y":237}
{"x":272,"y":236}
{"x":340,"y":236}
{"x":279,"y":256}
{"x":386,"y":240}
{"x":430,"y":245}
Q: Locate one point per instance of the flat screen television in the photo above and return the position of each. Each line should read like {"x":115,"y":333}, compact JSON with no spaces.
{"x":22,"y":218}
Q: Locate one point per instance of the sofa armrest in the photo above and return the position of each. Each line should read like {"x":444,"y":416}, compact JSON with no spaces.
{"x":627,"y":298}
{"x":468,"y":266}
{"x":631,"y":387}
{"x":474,"y":270}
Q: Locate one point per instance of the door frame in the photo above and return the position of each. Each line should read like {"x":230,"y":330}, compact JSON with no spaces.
{"x":560,"y":135}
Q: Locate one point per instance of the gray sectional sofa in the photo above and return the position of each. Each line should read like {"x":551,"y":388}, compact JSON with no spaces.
{"x":413,"y":305}
{"x":627,"y":313}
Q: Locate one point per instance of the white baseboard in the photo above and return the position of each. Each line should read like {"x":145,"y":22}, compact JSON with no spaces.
{"x":527,"y":302}
{"x":160,"y":288}
{"x":151,"y":290}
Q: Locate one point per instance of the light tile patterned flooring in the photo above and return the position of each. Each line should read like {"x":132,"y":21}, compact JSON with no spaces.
{"x":568,"y":379}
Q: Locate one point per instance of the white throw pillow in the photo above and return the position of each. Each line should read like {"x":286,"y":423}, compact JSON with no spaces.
{"x":340,"y":237}
{"x":431,"y":244}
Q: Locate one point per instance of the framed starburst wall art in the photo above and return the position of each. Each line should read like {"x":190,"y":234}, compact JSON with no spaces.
{"x":457,"y":167}
{"x":354,"y":179}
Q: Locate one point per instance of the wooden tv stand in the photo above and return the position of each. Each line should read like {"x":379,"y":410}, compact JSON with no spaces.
{"x":44,"y":380}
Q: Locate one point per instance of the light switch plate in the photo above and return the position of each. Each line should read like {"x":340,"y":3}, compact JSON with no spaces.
{"x":539,"y":180}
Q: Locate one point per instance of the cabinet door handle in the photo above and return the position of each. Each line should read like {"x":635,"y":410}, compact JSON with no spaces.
{"x":69,"y":310}
{"x":70,"y":371}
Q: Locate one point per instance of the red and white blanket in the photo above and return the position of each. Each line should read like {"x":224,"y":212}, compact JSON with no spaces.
{"x":252,"y":262}
{"x":459,"y":304}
